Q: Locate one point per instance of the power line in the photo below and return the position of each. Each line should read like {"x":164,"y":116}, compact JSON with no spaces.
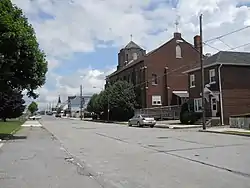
{"x":232,"y":32}
{"x":243,"y":45}
{"x":224,"y":43}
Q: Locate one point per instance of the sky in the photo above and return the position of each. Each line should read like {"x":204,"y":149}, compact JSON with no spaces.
{"x":82,"y":38}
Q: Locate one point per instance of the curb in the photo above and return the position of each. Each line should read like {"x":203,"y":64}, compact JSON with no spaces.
{"x":228,"y":133}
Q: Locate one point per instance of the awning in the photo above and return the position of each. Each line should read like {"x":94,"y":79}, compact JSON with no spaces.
{"x":181,"y":94}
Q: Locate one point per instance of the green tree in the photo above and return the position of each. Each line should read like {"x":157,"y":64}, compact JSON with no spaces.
{"x":22,"y":62}
{"x":122,"y":99}
{"x":92,"y":104}
{"x":33,"y":107}
{"x":12,"y":104}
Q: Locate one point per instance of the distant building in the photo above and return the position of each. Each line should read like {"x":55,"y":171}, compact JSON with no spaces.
{"x":74,"y":104}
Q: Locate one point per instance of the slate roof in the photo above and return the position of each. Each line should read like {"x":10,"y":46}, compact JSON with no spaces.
{"x":225,"y":58}
{"x":132,"y":44}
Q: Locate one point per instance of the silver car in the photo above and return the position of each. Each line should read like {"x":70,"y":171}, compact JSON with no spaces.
{"x":141,"y":120}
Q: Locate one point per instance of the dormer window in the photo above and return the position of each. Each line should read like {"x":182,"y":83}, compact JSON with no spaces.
{"x":178,"y":52}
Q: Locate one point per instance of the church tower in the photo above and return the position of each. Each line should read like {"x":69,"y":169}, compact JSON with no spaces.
{"x":130,"y":52}
{"x":59,"y":102}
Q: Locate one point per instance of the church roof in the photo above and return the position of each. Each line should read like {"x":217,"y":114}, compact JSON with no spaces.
{"x":132,"y":44}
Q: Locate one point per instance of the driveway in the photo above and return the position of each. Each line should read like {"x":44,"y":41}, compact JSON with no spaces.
{"x":120,"y":156}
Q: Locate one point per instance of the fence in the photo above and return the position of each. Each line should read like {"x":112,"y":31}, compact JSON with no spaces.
{"x":164,"y":112}
{"x":240,"y":121}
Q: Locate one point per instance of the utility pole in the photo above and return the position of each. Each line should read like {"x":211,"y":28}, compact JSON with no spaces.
{"x":81,"y":103}
{"x":202,"y":77}
{"x":108,"y":107}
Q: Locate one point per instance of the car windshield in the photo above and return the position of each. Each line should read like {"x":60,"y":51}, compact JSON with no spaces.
{"x":144,"y":115}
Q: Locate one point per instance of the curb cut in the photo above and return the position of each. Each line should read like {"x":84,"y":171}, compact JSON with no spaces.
{"x":228,"y":133}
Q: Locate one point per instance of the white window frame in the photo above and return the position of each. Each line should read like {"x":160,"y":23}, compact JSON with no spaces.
{"x":211,"y":75}
{"x":192,"y":80}
{"x":154,"y":79}
{"x":156,"y":100}
{"x":197,"y":104}
{"x":178,"y":52}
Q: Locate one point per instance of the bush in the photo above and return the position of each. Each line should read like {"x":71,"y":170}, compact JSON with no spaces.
{"x":187,"y":114}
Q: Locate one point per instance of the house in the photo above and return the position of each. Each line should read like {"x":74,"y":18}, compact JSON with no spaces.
{"x":157,"y":76}
{"x":227,"y":87}
{"x":74,"y":104}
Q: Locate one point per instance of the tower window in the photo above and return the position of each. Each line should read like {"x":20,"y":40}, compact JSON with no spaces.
{"x":178,"y":51}
{"x":134,"y":56}
{"x":154,"y":79}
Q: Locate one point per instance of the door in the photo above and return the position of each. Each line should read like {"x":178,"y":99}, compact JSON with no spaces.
{"x":213,"y":106}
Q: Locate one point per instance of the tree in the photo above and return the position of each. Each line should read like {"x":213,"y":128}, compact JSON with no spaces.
{"x":12,"y":104}
{"x":33,"y":107}
{"x":119,"y":98}
{"x":122,"y":100}
{"x":22,"y":63}
{"x":92,"y":105}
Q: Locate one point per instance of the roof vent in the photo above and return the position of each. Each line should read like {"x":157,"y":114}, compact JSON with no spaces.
{"x":208,"y":54}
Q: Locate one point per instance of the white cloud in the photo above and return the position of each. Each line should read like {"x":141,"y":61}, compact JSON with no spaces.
{"x":79,"y":24}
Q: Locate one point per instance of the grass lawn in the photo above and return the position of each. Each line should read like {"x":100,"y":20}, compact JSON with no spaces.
{"x":238,"y":132}
{"x":9,"y":126}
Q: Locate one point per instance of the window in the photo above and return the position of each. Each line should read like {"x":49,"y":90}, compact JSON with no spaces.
{"x":156,"y":100}
{"x":212,"y":76}
{"x":154,"y":79}
{"x":192,"y":80}
{"x":198,"y":105}
{"x":178,"y":51}
{"x":134,"y":56}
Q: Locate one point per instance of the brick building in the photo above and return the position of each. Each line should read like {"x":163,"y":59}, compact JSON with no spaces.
{"x":157,"y":76}
{"x":227,"y":91}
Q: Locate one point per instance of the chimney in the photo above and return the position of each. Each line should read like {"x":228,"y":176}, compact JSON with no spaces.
{"x":177,"y":35}
{"x":197,"y":41}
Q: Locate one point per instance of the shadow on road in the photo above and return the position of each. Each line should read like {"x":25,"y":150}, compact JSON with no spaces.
{"x":12,"y":137}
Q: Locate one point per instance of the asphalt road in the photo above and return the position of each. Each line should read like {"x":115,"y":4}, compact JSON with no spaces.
{"x":128,"y":157}
{"x":35,"y":159}
{"x":86,"y":154}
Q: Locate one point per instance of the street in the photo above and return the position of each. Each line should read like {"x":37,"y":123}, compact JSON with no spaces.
{"x":87,"y":154}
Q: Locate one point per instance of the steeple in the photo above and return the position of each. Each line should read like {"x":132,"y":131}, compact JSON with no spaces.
{"x":59,"y":100}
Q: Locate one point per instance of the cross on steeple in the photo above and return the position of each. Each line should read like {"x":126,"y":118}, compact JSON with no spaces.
{"x":177,"y":23}
{"x":131,"y":37}
{"x":176,"y":26}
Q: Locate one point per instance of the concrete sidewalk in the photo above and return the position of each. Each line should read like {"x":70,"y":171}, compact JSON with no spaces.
{"x":32,"y":123}
{"x":228,"y":130}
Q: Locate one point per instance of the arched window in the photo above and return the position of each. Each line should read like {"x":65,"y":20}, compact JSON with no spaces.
{"x":134,"y":56}
{"x":178,"y":51}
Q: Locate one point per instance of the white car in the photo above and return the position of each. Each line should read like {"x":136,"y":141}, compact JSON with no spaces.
{"x":142,"y":120}
{"x":35,"y":117}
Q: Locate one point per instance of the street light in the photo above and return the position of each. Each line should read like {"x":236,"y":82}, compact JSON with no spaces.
{"x":108,"y":100}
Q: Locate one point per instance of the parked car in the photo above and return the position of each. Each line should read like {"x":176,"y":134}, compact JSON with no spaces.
{"x":142,"y":120}
{"x":58,"y":115}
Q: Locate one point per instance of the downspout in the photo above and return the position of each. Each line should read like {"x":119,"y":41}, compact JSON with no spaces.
{"x":221,"y":103}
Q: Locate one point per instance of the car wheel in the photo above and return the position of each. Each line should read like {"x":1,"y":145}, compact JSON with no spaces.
{"x":152,"y":126}
{"x":129,"y":124}
{"x":139,"y":125}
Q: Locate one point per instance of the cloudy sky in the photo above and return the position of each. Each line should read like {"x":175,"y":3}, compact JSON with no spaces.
{"x":81,"y":38}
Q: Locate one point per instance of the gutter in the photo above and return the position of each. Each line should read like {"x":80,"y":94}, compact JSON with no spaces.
{"x":221,"y":102}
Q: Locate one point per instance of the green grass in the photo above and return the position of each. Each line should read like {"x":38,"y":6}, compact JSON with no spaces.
{"x":238,"y":132}
{"x":10,"y":126}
